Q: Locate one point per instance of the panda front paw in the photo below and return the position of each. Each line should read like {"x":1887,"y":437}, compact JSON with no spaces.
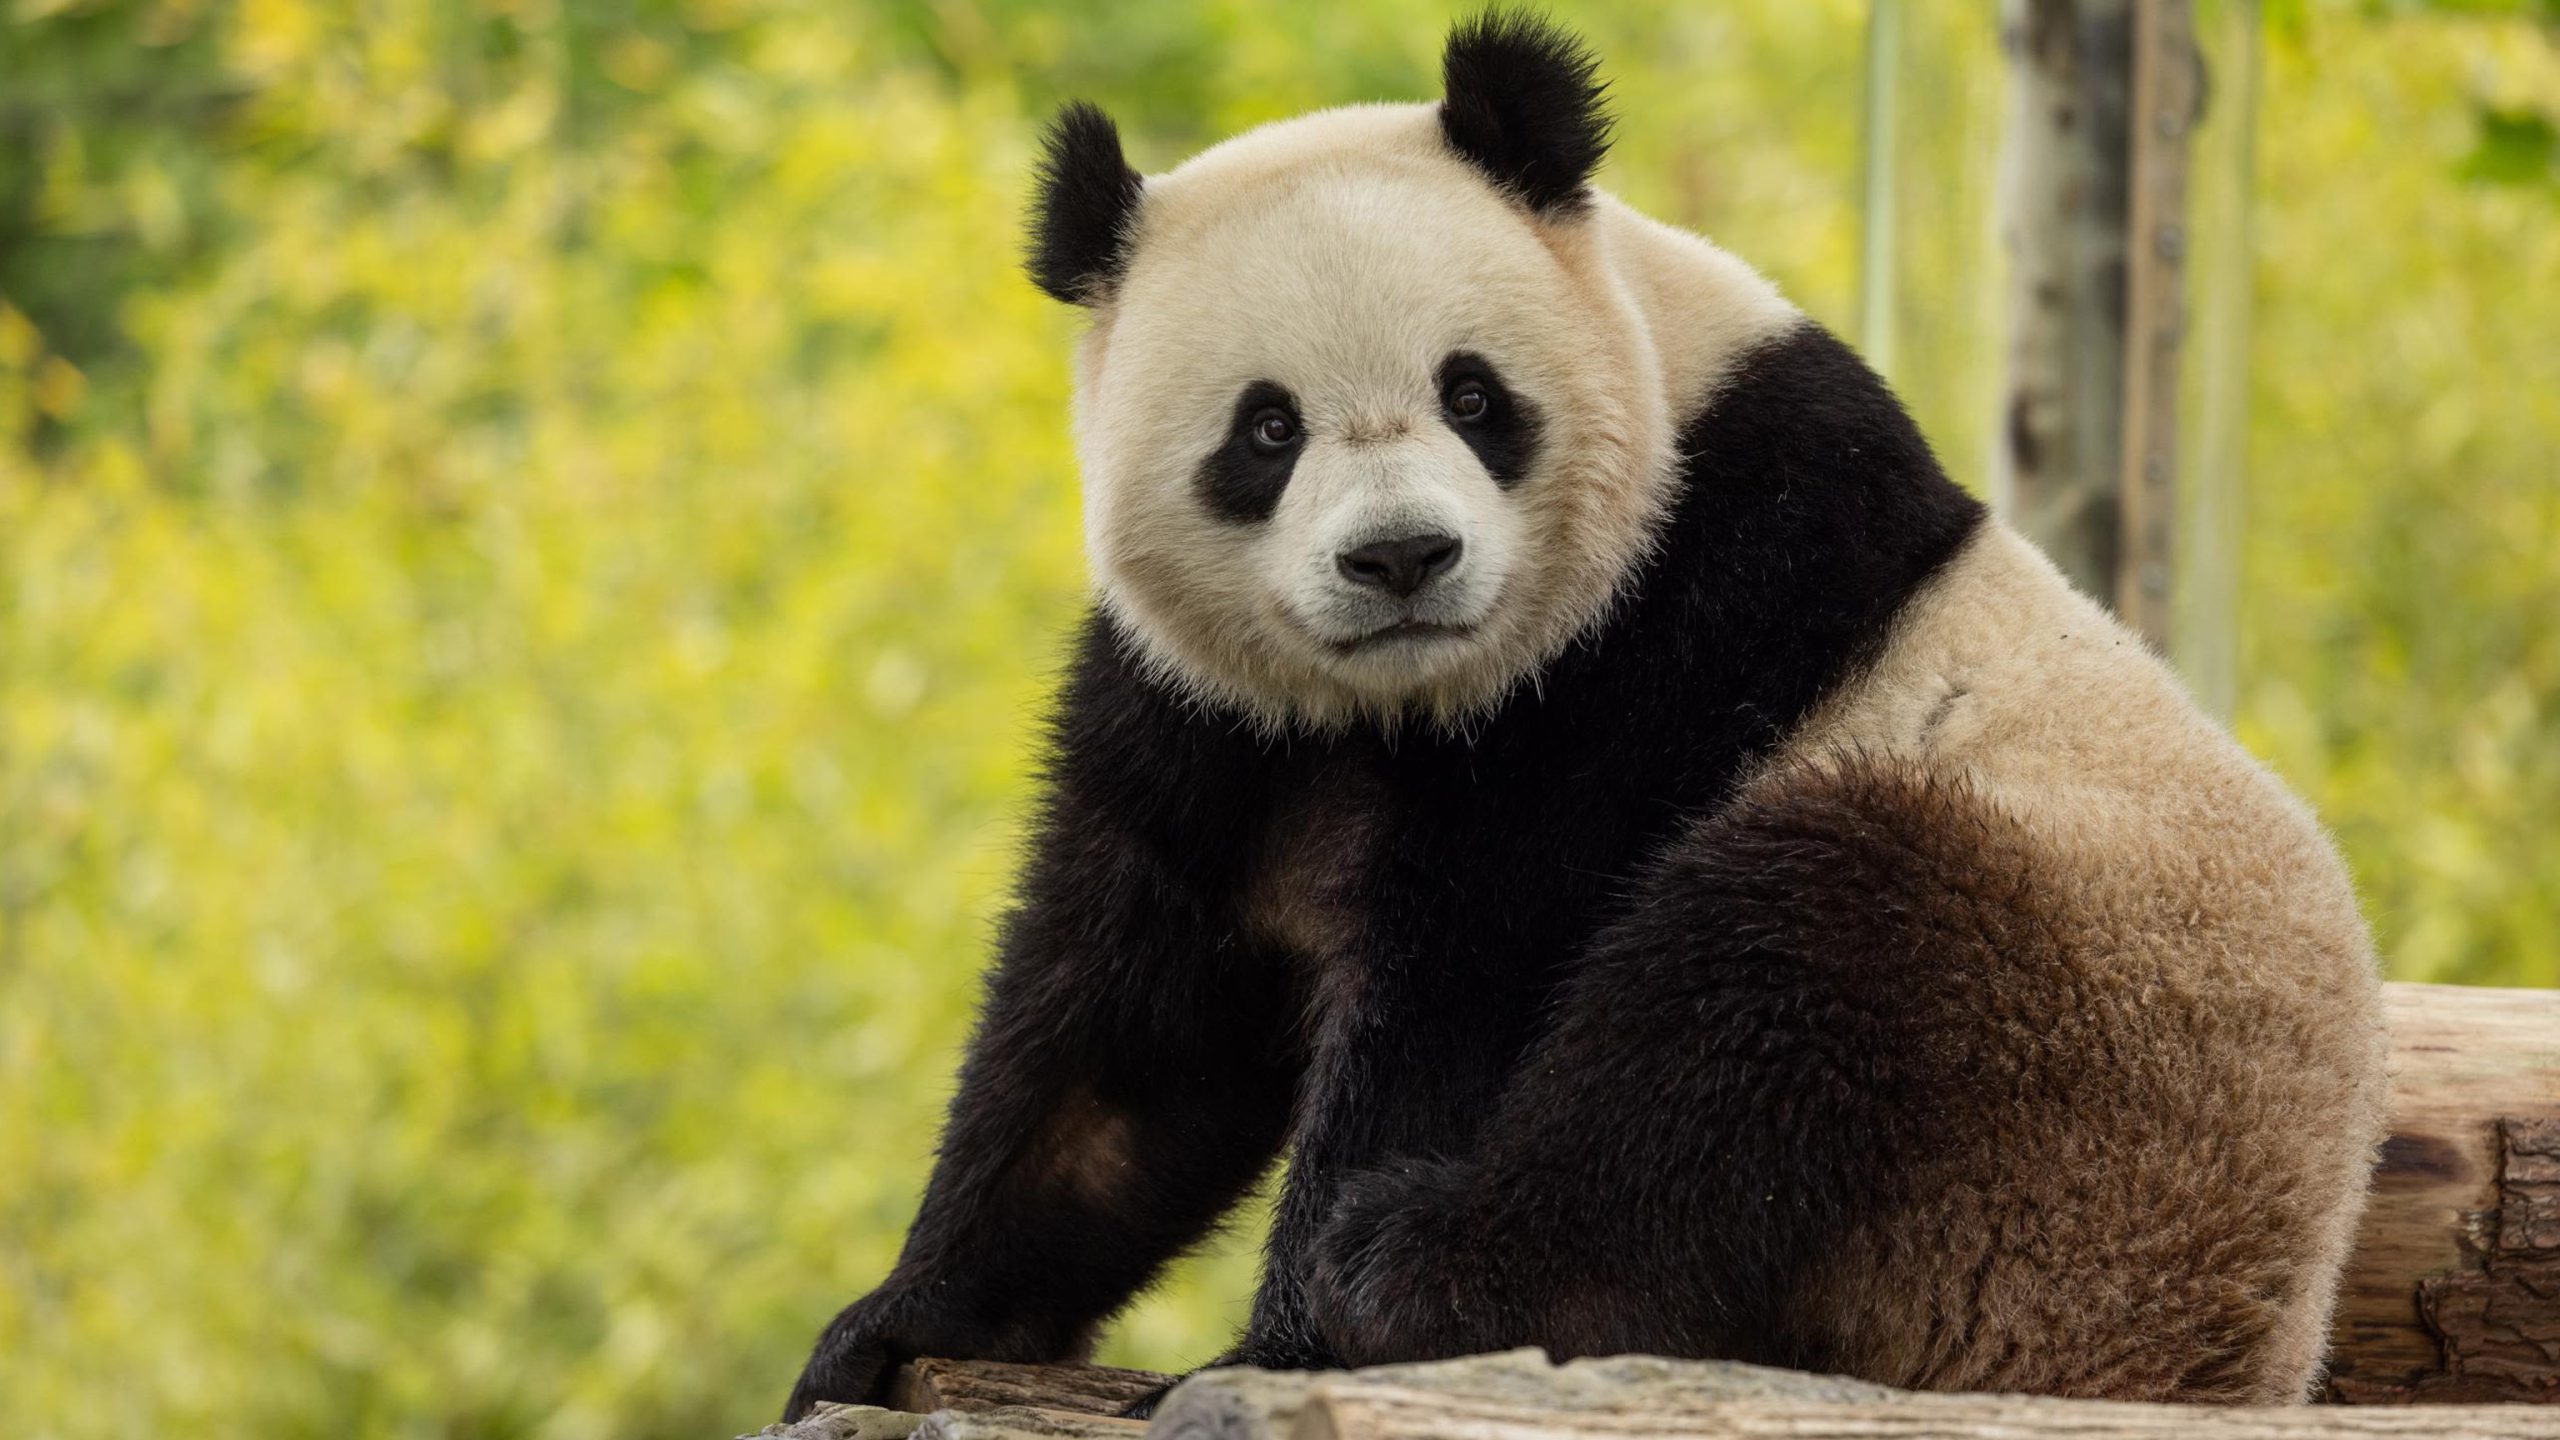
{"x":1405,"y":1268}
{"x":854,"y":1359}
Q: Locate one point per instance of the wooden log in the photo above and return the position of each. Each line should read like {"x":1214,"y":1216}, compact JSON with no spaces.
{"x":2453,"y":1293}
{"x":844,"y":1422}
{"x":1264,"y":1405}
{"x":990,"y":1400}
{"x":1518,"y":1396}
{"x":986,"y":1400}
{"x":928,"y":1385}
{"x":1345,"y":1410}
{"x":1026,"y":1422}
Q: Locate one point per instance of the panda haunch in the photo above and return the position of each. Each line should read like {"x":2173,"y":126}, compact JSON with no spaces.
{"x":1554,"y":752}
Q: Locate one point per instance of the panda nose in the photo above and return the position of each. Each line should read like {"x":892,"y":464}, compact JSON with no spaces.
{"x":1400,"y":566}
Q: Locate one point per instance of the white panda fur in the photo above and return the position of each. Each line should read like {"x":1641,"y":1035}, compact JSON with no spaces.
{"x":1344,"y":243}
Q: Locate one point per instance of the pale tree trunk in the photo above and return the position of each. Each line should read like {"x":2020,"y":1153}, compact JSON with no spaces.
{"x":2062,"y":222}
{"x":2164,"y":107}
{"x":2093,"y":181}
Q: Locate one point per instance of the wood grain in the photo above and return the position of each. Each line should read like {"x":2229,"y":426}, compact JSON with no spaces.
{"x":2453,"y":1292}
{"x":986,"y":1400}
{"x":1519,"y":1396}
{"x":1343,"y":1410}
{"x":1252,"y":1404}
{"x":928,"y":1385}
{"x":1025,"y":1422}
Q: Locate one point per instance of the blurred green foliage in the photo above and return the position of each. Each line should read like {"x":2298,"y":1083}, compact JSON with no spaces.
{"x":532,"y":534}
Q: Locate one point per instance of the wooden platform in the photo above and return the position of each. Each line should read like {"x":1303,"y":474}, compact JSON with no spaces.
{"x":1521,"y":1396}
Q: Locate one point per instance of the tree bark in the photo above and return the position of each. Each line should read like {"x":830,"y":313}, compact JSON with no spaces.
{"x":1349,"y":1410}
{"x":2064,"y":201}
{"x":928,"y":1385}
{"x":2166,"y":102}
{"x":2453,"y":1292}
{"x":1275,"y":1405}
{"x":1025,"y":1422}
{"x":1519,"y":1396}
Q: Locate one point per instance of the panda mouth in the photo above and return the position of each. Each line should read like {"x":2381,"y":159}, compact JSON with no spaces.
{"x":1402,"y":631}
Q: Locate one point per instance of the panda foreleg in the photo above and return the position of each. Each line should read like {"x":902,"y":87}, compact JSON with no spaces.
{"x":1731,"y":1079}
{"x":1130,"y":1076}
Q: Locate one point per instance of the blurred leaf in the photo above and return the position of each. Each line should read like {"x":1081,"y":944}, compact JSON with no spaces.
{"x":2514,"y":147}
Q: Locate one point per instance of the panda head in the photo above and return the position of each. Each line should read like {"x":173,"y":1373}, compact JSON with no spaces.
{"x":1370,"y":426}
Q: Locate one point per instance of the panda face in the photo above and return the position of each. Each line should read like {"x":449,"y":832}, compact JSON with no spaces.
{"x":1361,"y":435}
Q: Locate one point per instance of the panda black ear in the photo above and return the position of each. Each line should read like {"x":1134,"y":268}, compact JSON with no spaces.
{"x":1087,"y":208}
{"x":1524,"y":103}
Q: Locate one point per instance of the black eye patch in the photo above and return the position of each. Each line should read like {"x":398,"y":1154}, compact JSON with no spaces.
{"x":1501,"y":427}
{"x":1242,"y":479}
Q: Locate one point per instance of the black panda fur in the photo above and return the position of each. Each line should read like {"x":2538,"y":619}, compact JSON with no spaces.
{"x":1524,"y":103}
{"x":1087,"y":207}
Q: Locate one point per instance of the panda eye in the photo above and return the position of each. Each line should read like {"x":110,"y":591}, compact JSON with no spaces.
{"x":1468,"y":400}
{"x":1274,"y":431}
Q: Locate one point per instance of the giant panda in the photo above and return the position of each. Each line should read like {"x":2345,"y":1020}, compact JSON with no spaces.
{"x":1552,"y":753}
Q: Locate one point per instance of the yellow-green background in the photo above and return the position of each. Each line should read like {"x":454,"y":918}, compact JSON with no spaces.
{"x":532,"y":533}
